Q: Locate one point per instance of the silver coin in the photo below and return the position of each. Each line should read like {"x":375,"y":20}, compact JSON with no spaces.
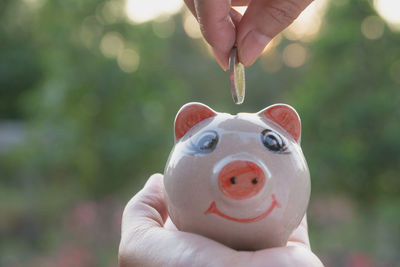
{"x":238,"y":84}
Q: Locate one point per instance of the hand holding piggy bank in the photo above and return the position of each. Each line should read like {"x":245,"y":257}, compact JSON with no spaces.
{"x":241,"y":180}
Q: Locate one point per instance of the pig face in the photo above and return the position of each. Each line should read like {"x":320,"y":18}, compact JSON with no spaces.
{"x":241,"y":180}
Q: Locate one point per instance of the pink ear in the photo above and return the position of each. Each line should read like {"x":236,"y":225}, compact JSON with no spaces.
{"x":286,"y":117}
{"x":189,"y":115}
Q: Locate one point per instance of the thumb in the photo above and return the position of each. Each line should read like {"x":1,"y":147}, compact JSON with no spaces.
{"x":147,"y":208}
{"x":262,"y":21}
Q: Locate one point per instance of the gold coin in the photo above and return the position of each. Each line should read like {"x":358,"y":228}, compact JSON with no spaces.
{"x":237,"y":77}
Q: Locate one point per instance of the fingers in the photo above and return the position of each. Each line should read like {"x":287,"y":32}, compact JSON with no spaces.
{"x":147,"y":208}
{"x":160,"y":247}
{"x":222,"y":57}
{"x":263,"y":20}
{"x":300,"y":235}
{"x":145,"y":242}
{"x":284,"y":257}
{"x":296,"y":253}
{"x":190,"y":5}
{"x":240,"y":2}
{"x":216,"y":23}
{"x":217,"y":26}
{"x":169,"y":225}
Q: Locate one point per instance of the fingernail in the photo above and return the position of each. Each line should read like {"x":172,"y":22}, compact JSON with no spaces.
{"x":222,"y":58}
{"x":251,"y":47}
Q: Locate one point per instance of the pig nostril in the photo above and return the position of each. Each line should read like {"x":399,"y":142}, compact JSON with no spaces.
{"x":254,"y":181}
{"x":233,"y":180}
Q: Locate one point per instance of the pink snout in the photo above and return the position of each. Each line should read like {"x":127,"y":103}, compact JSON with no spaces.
{"x":241,"y":179}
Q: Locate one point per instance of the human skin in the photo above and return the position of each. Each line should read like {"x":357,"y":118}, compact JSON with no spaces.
{"x":223,"y":27}
{"x":148,"y":238}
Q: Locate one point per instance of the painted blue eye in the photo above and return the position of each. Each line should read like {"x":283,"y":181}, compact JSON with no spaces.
{"x":206,"y":142}
{"x":273,"y":141}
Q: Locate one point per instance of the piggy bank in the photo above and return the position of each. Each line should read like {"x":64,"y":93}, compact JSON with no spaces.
{"x":241,"y":180}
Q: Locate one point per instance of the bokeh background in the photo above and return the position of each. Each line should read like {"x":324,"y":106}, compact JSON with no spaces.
{"x":88,"y":94}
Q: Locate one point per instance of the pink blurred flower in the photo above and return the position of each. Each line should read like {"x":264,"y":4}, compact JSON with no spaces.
{"x":83,"y":216}
{"x":359,"y":259}
{"x":73,"y":255}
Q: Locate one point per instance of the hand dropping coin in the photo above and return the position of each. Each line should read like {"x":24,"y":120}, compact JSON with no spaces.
{"x":238,"y":85}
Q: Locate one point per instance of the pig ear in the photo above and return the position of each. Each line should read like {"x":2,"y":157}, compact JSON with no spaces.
{"x":189,"y":115}
{"x":286,"y":117}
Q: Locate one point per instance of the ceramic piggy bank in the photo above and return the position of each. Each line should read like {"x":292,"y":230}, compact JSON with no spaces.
{"x":241,"y":180}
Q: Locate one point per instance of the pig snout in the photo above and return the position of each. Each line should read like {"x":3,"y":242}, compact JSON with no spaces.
{"x":241,"y":179}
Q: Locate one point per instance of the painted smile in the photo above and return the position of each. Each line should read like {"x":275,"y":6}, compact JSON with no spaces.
{"x":213,"y":209}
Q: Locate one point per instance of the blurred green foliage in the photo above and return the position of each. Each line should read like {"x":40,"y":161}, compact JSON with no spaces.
{"x":94,"y":132}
